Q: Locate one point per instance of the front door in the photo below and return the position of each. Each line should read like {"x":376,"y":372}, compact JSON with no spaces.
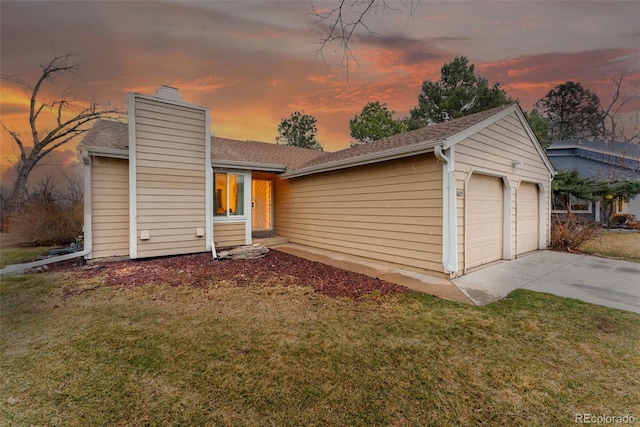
{"x":262,"y":205}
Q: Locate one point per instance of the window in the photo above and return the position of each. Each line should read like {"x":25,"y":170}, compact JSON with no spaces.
{"x":577,"y":205}
{"x":228,"y":198}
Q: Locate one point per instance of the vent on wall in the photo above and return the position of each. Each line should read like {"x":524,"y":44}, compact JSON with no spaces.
{"x":168,"y":93}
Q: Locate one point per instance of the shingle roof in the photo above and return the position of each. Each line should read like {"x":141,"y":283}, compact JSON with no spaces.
{"x":619,"y":148}
{"x":593,"y":169}
{"x":261,"y":153}
{"x":107,"y":134}
{"x":115,"y":135}
{"x":428,"y":133}
{"x":597,"y":159}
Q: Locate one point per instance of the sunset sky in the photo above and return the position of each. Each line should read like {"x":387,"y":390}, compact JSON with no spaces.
{"x":254,"y":62}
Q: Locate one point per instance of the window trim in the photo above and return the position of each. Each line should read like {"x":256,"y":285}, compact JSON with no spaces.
{"x":227,"y":217}
{"x":580,"y":211}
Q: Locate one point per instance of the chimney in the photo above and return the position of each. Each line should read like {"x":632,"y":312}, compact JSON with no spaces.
{"x":169,"y":93}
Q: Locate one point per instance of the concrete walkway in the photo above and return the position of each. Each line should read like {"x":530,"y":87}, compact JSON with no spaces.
{"x":436,"y":286}
{"x":601,"y":281}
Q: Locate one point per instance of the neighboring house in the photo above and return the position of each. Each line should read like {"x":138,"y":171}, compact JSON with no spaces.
{"x":441,"y":199}
{"x":599,"y":160}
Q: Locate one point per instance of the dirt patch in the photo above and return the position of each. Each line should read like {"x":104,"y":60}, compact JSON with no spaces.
{"x":200,"y":270}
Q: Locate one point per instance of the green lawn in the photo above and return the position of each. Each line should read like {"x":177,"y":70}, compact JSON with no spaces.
{"x":11,"y":254}
{"x":78,"y":353}
{"x":15,"y":255}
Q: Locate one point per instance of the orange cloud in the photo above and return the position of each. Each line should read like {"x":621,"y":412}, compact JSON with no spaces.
{"x":200,"y":84}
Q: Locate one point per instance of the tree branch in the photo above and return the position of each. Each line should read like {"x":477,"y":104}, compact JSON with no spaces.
{"x":64,"y":131}
{"x":17,"y":140}
{"x":59,"y":144}
{"x":341,"y":27}
{"x":619,"y":99}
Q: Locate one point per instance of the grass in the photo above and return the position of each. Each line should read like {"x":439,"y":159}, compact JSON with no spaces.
{"x":14,"y":255}
{"x":83,"y":354}
{"x":613,"y":244}
{"x":10,"y":253}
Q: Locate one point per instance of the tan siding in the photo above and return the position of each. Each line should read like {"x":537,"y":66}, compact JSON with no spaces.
{"x":229,"y":234}
{"x":390,"y":212}
{"x":109,"y":207}
{"x":494,"y":149}
{"x":170,"y":189}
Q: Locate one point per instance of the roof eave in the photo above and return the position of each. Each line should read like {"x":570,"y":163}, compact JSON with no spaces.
{"x":262,"y":167}
{"x":115,"y":153}
{"x":396,"y":153}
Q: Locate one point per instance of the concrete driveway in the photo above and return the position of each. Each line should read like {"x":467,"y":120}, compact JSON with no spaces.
{"x":601,"y":281}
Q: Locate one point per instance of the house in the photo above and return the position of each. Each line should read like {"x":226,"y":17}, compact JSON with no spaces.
{"x":599,"y":160}
{"x":441,"y":200}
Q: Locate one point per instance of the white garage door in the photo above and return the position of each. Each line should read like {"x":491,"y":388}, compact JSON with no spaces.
{"x":528,"y":221}
{"x":484,"y":220}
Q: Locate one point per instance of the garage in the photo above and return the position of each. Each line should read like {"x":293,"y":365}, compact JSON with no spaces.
{"x":485,"y":207}
{"x":528,"y":212}
{"x":437,"y":200}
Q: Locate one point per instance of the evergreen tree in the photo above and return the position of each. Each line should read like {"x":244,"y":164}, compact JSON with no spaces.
{"x":375,"y":122}
{"x":541,"y":128}
{"x":458,"y":93}
{"x":573,"y":111}
{"x":299,"y":130}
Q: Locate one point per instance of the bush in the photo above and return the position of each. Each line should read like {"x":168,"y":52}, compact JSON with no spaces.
{"x":621,"y":219}
{"x":568,"y":235}
{"x":47,"y":223}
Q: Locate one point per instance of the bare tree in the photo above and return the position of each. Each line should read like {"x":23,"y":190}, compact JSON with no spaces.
{"x":348,"y":16}
{"x":74,"y":192}
{"x":68,"y":124}
{"x":613,"y":128}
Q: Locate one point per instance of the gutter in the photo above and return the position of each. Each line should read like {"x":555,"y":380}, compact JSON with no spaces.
{"x":106,"y":152}
{"x":449,"y":209}
{"x":265,"y":167}
{"x":397,"y":153}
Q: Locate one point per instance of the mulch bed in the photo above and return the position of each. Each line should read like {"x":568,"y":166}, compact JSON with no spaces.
{"x":200,"y":270}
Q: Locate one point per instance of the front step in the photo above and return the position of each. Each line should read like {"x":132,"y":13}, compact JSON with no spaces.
{"x":271,"y":241}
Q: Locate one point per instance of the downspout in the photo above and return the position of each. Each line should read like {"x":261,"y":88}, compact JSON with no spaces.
{"x":86,"y":252}
{"x":22,"y":268}
{"x":209,"y":187}
{"x":449,"y":213}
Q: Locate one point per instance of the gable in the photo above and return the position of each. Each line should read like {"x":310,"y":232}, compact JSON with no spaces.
{"x":507,"y":125}
{"x":503,"y":144}
{"x":421,"y":141}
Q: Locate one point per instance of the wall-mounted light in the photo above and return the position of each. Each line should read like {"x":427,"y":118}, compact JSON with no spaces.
{"x":517,"y":164}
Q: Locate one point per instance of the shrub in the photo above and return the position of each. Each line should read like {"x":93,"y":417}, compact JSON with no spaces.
{"x":568,"y":235}
{"x":621,"y":219}
{"x":47,"y":223}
